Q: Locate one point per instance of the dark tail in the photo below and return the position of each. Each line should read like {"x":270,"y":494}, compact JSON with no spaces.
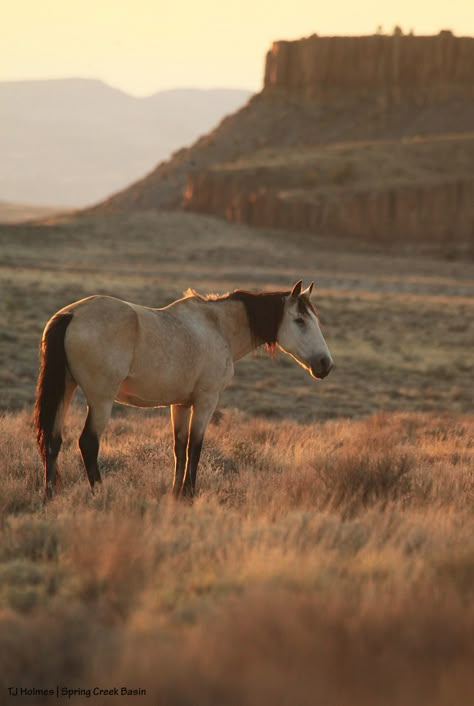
{"x":51,"y":380}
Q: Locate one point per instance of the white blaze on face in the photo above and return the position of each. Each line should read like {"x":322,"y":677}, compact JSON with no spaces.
{"x":300,"y":335}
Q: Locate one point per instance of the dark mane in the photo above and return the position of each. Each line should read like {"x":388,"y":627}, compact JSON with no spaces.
{"x":264,"y":313}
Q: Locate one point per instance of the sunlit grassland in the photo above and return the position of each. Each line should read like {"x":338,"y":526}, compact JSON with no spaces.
{"x":312,"y":552}
{"x":329,"y":556}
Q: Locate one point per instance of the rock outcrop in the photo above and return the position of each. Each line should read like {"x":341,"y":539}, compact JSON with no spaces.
{"x":405,"y":190}
{"x":325,"y":91}
{"x":435,"y":212}
{"x":394,"y":68}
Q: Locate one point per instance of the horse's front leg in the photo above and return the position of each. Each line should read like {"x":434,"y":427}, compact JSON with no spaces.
{"x":203,"y":409}
{"x":180,"y":417}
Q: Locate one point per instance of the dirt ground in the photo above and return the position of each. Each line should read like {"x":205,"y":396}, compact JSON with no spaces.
{"x":399,"y":324}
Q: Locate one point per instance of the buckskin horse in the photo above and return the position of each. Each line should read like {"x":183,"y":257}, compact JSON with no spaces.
{"x":181,"y":356}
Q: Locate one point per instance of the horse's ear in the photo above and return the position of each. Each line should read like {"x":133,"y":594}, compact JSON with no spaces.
{"x":296,"y":291}
{"x":308,"y":290}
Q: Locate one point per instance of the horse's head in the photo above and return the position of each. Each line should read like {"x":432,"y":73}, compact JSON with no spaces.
{"x":300,"y":336}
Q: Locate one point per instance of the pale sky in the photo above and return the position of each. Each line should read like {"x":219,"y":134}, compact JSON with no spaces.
{"x":143,"y":46}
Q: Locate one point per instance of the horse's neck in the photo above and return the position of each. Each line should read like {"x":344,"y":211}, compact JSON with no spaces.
{"x":235,"y":327}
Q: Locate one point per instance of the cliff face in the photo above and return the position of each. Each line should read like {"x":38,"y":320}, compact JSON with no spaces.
{"x":434,"y":212}
{"x":393,"y":68}
{"x":406,"y":190}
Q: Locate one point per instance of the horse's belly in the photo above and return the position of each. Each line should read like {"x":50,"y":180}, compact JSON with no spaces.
{"x":134,"y":401}
{"x":137,"y":395}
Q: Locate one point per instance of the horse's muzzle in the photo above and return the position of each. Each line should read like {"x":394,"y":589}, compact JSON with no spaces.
{"x":321,"y":367}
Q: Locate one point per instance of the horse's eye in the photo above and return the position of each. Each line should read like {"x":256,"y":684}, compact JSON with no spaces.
{"x":300,"y":321}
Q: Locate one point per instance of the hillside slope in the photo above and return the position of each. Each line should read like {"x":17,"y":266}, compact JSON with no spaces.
{"x":320,"y":92}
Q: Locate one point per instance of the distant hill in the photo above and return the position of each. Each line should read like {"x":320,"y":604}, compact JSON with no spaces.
{"x":330,"y":143}
{"x":23,"y":212}
{"x":73,"y":142}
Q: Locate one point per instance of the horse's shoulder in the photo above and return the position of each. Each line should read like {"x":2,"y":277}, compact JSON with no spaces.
{"x":191,"y":313}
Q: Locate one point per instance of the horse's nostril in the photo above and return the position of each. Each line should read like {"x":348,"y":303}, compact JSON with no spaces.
{"x":325,"y":363}
{"x":321,"y":366}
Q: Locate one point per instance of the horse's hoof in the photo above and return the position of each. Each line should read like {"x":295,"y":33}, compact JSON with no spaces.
{"x":96,"y":488}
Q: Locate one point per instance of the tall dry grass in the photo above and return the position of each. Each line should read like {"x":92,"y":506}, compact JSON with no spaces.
{"x":320,"y":564}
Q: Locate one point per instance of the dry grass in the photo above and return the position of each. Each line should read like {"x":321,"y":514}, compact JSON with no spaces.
{"x":328,"y":563}
{"x":329,"y":557}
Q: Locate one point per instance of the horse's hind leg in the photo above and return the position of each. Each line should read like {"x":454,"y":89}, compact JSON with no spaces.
{"x":51,"y":475}
{"x":98,"y":415}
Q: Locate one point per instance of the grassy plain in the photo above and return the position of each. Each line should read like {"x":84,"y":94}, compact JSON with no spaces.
{"x":329,"y":557}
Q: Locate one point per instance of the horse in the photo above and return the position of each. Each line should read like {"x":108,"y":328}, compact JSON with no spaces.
{"x":181,"y":356}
